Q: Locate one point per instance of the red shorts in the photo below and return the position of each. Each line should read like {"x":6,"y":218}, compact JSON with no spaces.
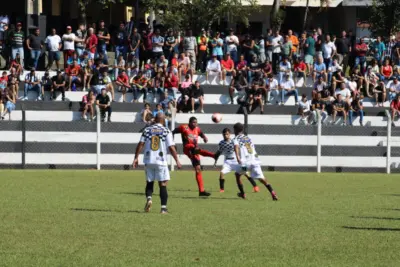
{"x":188,"y":151}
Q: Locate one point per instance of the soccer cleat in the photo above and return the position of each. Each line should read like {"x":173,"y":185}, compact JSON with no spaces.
{"x":204,"y":194}
{"x":164,"y":211}
{"x":256,"y":189}
{"x":148,"y":205}
{"x":241,"y":195}
{"x":221,"y":190}
{"x":274,"y":196}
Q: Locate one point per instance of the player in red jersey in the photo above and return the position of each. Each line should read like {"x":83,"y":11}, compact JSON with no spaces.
{"x":190,"y":134}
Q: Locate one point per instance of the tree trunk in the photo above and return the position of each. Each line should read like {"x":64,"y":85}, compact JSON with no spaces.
{"x":275,"y":19}
{"x":306,"y":14}
{"x":82,"y":10}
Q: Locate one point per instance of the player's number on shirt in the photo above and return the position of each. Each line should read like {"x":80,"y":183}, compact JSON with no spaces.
{"x":155,"y":143}
{"x":248,"y":147}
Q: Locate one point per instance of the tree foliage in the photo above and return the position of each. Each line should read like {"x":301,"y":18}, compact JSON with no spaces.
{"x":83,"y":4}
{"x":196,"y":14}
{"x":384,"y":18}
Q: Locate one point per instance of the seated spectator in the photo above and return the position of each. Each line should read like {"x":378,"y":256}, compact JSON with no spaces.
{"x":3,"y":81}
{"x":338,"y":79}
{"x":46,"y":83}
{"x":285,"y":68}
{"x":334,"y":70}
{"x":162,"y":64}
{"x":157,"y":110}
{"x":242,"y":66}
{"x":394,"y":89}
{"x":88,"y":105}
{"x":104,"y":103}
{"x":3,"y":101}
{"x":10,"y":101}
{"x":255,"y":98}
{"x":186,"y":83}
{"x":344,"y":92}
{"x":386,"y":71}
{"x":379,"y":94}
{"x":123,"y":84}
{"x":238,"y":84}
{"x":139,"y":85}
{"x":58,"y":83}
{"x":300,"y":69}
{"x":147,"y":115}
{"x":157,"y":85}
{"x":73,"y":73}
{"x":374,"y":68}
{"x":13,"y":82}
{"x":168,"y":100}
{"x":87,"y":75}
{"x":288,"y":89}
{"x":32,"y":82}
{"x":260,"y":84}
{"x":272,"y":87}
{"x":228,"y":67}
{"x":358,"y":78}
{"x":319,"y":86}
{"x":356,"y":108}
{"x":304,"y":108}
{"x":184,"y":66}
{"x":395,"y":108}
{"x":254,"y":67}
{"x":108,"y":85}
{"x":16,"y":65}
{"x":119,"y":66}
{"x":318,"y":109}
{"x":213,"y":68}
{"x":266,"y":68}
{"x":197,"y":95}
{"x":340,"y":107}
{"x":72,"y":58}
{"x":149,"y":71}
{"x":174,"y":64}
{"x":182,"y":104}
{"x":319,"y":70}
{"x":171,"y":84}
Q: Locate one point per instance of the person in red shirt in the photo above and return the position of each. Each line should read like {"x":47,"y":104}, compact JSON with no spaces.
{"x":123,"y":83}
{"x":190,"y":134}
{"x":395,"y":108}
{"x":228,"y":67}
{"x":171,"y":83}
{"x":73,"y":74}
{"x":300,"y":69}
{"x":91,"y":43}
{"x":361,"y":52}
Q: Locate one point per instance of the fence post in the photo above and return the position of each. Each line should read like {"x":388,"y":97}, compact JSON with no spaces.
{"x":388,"y":142}
{"x":319,"y":133}
{"x":246,"y":121}
{"x":98,"y":131}
{"x":173,"y":119}
{"x":23,"y":143}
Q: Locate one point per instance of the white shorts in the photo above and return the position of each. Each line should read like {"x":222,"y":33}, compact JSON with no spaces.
{"x":157,"y":173}
{"x":254,"y":168}
{"x":230,"y":166}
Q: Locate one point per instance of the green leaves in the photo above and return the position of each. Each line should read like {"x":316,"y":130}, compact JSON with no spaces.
{"x":384,"y":17}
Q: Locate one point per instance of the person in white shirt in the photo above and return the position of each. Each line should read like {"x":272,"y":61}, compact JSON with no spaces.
{"x":232,"y":42}
{"x":213,"y":68}
{"x":272,"y":88}
{"x":345,"y":92}
{"x":333,"y":70}
{"x":158,"y":43}
{"x":69,"y":39}
{"x":394,"y":89}
{"x":276,"y":44}
{"x":156,"y":140}
{"x":328,"y":51}
{"x":288,"y":89}
{"x":284,"y":68}
{"x":304,"y":108}
{"x":32,"y":83}
{"x":53,"y":43}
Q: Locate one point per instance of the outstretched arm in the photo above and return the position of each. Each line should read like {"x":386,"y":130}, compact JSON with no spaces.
{"x":174,"y":154}
{"x":204,"y":137}
{"x":139,"y":148}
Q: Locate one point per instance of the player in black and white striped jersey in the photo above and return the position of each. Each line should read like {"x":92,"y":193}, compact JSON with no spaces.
{"x":227,"y":149}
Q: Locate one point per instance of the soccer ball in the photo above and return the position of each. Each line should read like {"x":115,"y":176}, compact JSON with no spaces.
{"x":216,"y":117}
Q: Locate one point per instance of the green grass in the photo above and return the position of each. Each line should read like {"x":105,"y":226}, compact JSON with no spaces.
{"x":89,"y":218}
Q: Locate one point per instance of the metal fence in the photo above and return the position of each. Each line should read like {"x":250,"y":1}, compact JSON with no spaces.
{"x":102,"y":145}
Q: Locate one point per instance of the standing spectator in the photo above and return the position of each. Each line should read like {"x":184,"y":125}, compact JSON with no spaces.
{"x":287,"y":48}
{"x":391,"y":46}
{"x":53,"y":43}
{"x":129,"y":27}
{"x":96,"y":76}
{"x":147,"y":47}
{"x":340,"y":108}
{"x":91,"y":43}
{"x":396,"y":53}
{"x":213,"y":68}
{"x":46,"y":83}
{"x":158,"y":42}
{"x":378,"y":49}
{"x":288,"y":89}
{"x":276,"y":43}
{"x":309,"y":53}
{"x":32,"y":82}
{"x":356,"y":108}
{"x":197,"y":94}
{"x":120,"y":42}
{"x":248,"y":48}
{"x":103,"y":39}
{"x":135,"y":41}
{"x":260,"y":49}
{"x":232,"y":43}
{"x":190,"y":48}
{"x":5,"y":45}
{"x":268,"y":44}
{"x":10,"y":104}
{"x":343,"y":48}
{"x":69,"y":39}
{"x":217,"y":44}
{"x":170,"y":43}
{"x":319,"y":40}
{"x":295,"y":44}
{"x":81,"y":35}
{"x":59,"y":84}
{"x":228,"y":67}
{"x":328,"y":51}
{"x":104,"y":103}
{"x":17,"y":43}
{"x":123,"y":83}
{"x":361,"y":53}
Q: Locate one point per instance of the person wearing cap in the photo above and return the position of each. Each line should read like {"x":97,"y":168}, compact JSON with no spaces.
{"x":287,"y":88}
{"x":68,"y":39}
{"x":213,"y":68}
{"x":232,"y":42}
{"x":32,"y":83}
{"x":59,"y":84}
{"x":54,"y":44}
{"x":17,"y":43}
{"x":35,"y":44}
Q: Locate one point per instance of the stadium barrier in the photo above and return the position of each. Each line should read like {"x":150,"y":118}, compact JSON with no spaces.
{"x":33,"y":143}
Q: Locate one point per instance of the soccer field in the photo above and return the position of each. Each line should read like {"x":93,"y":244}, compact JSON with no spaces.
{"x":90,"y":218}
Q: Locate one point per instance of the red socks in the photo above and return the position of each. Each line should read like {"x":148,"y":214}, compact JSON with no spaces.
{"x":206,"y":153}
{"x":199,"y":179}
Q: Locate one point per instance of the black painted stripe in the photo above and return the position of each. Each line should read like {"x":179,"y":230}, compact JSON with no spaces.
{"x":10,"y":126}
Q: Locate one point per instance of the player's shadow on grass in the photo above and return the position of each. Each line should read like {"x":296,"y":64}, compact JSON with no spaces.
{"x":393,"y":195}
{"x":371,"y":228}
{"x":184,"y":197}
{"x":134,"y":193}
{"x":376,"y":218}
{"x":105,"y":210}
